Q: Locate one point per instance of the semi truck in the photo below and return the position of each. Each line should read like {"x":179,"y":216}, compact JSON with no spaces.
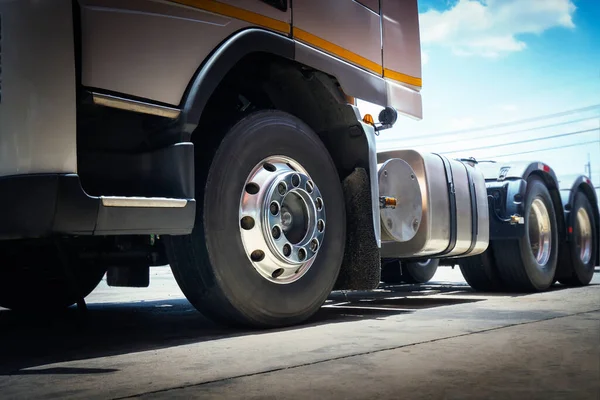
{"x":223,"y":138}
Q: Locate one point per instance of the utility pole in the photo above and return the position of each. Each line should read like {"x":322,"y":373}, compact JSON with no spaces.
{"x":588,"y":167}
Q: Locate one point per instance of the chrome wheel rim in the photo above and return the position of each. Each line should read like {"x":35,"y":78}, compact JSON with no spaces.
{"x":583,"y":235}
{"x":282,"y":219}
{"x":540,"y":231}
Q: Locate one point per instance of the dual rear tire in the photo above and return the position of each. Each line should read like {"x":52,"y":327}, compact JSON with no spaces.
{"x":530,"y":263}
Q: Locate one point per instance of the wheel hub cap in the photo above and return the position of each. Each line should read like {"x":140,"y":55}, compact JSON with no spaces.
{"x":282,"y":219}
{"x":540,"y":232}
{"x":583,"y":236}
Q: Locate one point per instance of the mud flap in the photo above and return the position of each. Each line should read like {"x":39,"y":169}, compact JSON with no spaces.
{"x":361,"y":267}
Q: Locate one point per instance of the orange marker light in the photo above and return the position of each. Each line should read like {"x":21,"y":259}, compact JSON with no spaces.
{"x":368,"y":119}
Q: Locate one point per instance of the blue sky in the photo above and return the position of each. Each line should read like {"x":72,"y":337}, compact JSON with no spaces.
{"x":488,"y":62}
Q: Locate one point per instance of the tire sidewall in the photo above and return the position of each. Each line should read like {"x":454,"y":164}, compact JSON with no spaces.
{"x":421,"y":271}
{"x":540,"y":276}
{"x":583,"y":272}
{"x":261,"y":135}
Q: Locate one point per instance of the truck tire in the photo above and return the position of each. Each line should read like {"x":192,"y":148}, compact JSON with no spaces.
{"x":34,"y":278}
{"x":419,"y":271}
{"x":269,"y":239}
{"x":415,"y":271}
{"x":481,"y":272}
{"x":583,"y":249}
{"x":529,"y":263}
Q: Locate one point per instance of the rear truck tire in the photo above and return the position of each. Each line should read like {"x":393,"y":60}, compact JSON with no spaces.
{"x":582,"y":250}
{"x":481,"y":272}
{"x":529,"y":263}
{"x":412,"y":271}
{"x":268,"y":243}
{"x":43,"y":277}
{"x":419,"y":271}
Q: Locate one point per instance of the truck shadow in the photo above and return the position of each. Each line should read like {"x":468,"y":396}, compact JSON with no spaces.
{"x":30,"y":340}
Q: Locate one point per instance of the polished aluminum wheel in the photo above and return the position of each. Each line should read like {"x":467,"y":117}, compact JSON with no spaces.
{"x":583,"y":236}
{"x":282,"y":219}
{"x":540,"y":232}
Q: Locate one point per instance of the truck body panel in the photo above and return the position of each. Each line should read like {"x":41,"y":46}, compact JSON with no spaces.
{"x":332,"y":27}
{"x":37,"y":103}
{"x":129,"y":47}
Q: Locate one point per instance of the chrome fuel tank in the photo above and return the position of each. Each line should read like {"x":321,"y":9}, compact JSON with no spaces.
{"x":454,"y":217}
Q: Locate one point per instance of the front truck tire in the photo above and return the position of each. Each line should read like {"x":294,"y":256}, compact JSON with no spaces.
{"x":268,"y":242}
{"x":582,"y":250}
{"x":529,"y":263}
{"x":44,"y":277}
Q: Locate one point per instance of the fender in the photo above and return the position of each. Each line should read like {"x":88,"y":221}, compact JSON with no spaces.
{"x":514,"y":176}
{"x":220,"y":62}
{"x":584,"y":184}
{"x":519,"y":170}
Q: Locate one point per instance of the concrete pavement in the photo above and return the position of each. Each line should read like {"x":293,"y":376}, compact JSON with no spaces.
{"x":438,"y":341}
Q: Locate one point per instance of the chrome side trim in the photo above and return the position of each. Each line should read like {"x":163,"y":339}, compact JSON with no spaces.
{"x":135,"y":106}
{"x":144,"y":202}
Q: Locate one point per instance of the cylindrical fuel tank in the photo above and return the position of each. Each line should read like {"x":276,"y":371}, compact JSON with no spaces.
{"x":454,"y":217}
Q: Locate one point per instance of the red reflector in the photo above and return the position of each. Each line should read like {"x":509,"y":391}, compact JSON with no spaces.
{"x":589,"y":181}
{"x":546,"y":168}
{"x":570,"y":229}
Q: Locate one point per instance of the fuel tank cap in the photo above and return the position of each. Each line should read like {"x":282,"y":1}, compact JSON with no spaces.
{"x":397,"y":180}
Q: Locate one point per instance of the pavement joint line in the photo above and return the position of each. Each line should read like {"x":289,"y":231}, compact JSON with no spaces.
{"x":365,"y":353}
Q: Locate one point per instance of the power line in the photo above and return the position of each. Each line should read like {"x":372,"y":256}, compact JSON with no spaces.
{"x":504,"y":124}
{"x":507,"y":133}
{"x":523,"y":141}
{"x":540,"y":150}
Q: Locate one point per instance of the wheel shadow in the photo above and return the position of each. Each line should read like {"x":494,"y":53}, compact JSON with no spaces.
{"x":30,"y":340}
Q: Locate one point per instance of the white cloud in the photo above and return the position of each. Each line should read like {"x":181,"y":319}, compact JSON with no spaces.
{"x":424,"y":58}
{"x":491,"y":28}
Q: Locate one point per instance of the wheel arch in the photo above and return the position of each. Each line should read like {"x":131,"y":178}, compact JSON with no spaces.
{"x":219,"y":64}
{"x":315,"y":97}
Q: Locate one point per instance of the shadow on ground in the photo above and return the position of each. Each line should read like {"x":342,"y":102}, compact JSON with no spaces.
{"x":28,"y":340}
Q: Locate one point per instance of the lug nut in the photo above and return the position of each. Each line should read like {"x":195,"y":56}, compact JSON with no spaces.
{"x":276,"y":232}
{"x":314,"y":245}
{"x":295,"y":180}
{"x":274,"y":208}
{"x":282,"y":188}
{"x":319,"y":203}
{"x":287,"y":250}
{"x":321,"y":225}
{"x":301,"y":254}
{"x":309,"y":186}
